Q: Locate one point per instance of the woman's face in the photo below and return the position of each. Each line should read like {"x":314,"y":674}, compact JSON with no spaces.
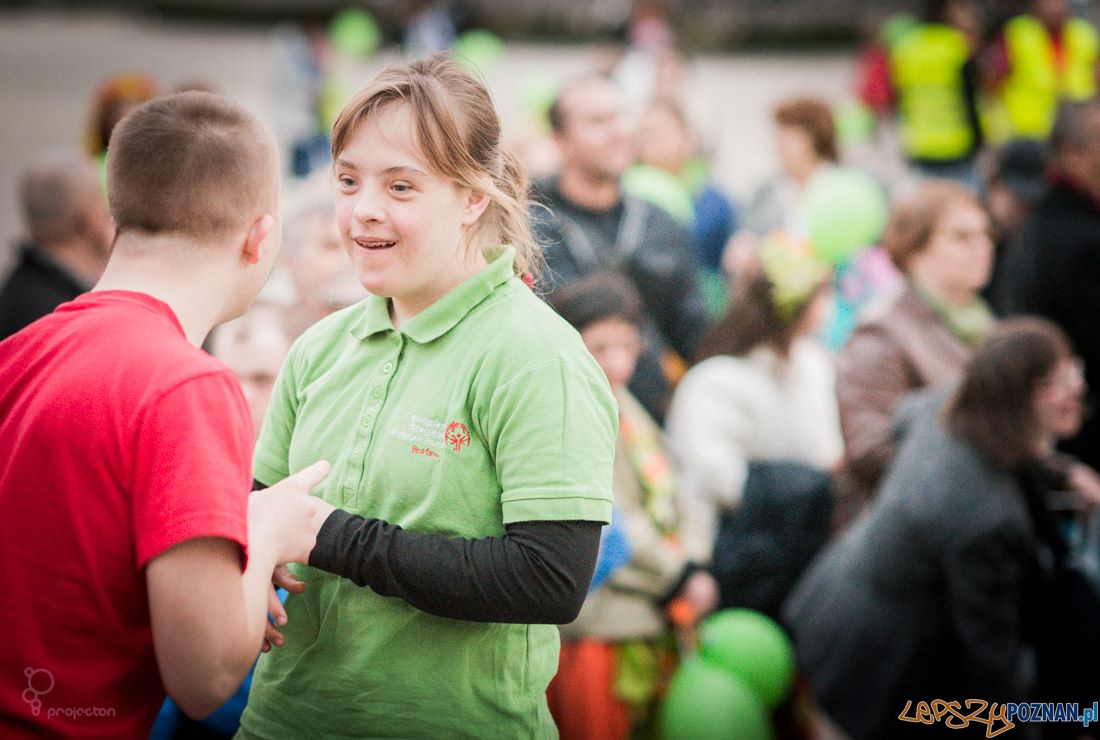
{"x":401,"y":223}
{"x":796,"y":151}
{"x":1059,"y":399}
{"x":959,"y":256}
{"x":615,"y":344}
{"x":662,"y":141}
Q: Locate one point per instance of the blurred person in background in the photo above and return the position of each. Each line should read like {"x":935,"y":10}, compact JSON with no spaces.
{"x":254,"y":347}
{"x":619,"y":652}
{"x":1052,"y":268}
{"x":672,"y":173}
{"x":940,"y":239}
{"x":588,"y":224}
{"x":934,"y":592}
{"x":315,"y":257}
{"x":807,"y":145}
{"x":935,"y":79}
{"x":113,"y":99}
{"x":69,"y":235}
{"x":762,"y":390}
{"x":1041,"y":58}
{"x":1015,"y":184}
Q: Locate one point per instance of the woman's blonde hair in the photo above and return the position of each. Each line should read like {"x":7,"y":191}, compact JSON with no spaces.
{"x":457,"y":131}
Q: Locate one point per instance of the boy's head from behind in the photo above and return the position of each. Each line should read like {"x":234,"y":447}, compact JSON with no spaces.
{"x":194,"y":163}
{"x":196,"y":168}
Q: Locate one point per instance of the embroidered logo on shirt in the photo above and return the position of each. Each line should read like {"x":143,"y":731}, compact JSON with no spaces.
{"x":426,"y":433}
{"x":457,"y":435}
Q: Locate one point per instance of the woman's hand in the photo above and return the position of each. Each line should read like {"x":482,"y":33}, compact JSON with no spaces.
{"x":701,"y":591}
{"x":1085,"y":482}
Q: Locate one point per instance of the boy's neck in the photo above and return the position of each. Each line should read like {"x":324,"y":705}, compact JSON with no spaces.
{"x":197,"y":292}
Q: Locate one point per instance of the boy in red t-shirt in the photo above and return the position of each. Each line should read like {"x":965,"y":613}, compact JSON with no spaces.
{"x":129,"y":541}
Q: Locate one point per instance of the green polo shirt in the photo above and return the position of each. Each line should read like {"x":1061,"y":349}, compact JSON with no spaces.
{"x":484,"y":410}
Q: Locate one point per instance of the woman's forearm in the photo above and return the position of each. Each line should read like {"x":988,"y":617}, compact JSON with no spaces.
{"x":536,"y":573}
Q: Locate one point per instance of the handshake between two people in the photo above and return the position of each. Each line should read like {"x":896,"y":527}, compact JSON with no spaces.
{"x":285,"y":519}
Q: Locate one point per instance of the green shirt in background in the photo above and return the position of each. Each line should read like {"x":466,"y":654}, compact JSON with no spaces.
{"x":484,"y":410}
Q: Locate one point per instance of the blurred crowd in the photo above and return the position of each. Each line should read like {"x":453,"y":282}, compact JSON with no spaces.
{"x":855,"y":402}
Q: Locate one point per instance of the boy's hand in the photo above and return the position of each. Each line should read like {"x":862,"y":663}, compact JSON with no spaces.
{"x":283,"y":516}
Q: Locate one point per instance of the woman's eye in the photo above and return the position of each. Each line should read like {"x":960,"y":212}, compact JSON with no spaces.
{"x":346,"y":182}
{"x":400,"y":187}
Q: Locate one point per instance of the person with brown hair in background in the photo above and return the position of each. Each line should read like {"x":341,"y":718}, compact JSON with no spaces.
{"x":939,"y":237}
{"x":606,"y":686}
{"x":763,"y":390}
{"x":113,"y":99}
{"x":934,"y":593}
{"x":806,"y":140}
{"x":69,"y":234}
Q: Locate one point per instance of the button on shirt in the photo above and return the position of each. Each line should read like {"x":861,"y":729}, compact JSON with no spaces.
{"x":484,"y":410}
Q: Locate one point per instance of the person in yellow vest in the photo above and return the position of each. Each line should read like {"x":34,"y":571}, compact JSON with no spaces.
{"x":934,"y":75}
{"x":1040,"y":59}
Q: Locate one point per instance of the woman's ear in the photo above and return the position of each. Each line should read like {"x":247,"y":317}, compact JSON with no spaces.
{"x":476,"y":203}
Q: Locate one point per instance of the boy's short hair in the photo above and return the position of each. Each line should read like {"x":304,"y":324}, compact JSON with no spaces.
{"x":193,"y":163}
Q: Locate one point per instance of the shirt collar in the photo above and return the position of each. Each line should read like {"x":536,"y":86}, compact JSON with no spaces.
{"x":443,"y":315}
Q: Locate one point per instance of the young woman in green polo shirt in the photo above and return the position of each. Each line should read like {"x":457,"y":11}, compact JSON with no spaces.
{"x":471,"y":434}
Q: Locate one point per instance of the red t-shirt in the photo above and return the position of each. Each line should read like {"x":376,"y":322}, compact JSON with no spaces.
{"x":118,"y":440}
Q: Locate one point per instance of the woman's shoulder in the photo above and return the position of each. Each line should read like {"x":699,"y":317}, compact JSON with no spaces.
{"x":526,"y":332}
{"x":901,"y":313}
{"x":943,"y":477}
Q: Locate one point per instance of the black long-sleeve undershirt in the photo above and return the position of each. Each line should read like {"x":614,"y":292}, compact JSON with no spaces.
{"x":536,"y":573}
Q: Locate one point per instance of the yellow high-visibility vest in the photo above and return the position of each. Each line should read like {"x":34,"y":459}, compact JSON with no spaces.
{"x":926,"y":65}
{"x":1035,"y":84}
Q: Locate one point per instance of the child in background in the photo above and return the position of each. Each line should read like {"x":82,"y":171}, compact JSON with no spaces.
{"x":619,"y":651}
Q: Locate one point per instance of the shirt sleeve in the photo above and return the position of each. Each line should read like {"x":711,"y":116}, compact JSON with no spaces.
{"x":193,"y":449}
{"x":551,"y":430}
{"x":272,"y":461}
{"x":536,"y":573}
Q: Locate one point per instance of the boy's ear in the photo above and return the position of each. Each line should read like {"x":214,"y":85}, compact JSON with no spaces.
{"x":258,"y":230}
{"x":476,"y":203}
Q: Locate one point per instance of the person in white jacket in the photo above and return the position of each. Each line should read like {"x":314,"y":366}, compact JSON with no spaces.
{"x":764,"y":389}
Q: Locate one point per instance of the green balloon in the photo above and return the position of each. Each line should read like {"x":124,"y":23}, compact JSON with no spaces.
{"x":479,"y":49}
{"x":355,"y":32}
{"x":754,"y":649}
{"x":845,"y":211}
{"x":707,"y":703}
